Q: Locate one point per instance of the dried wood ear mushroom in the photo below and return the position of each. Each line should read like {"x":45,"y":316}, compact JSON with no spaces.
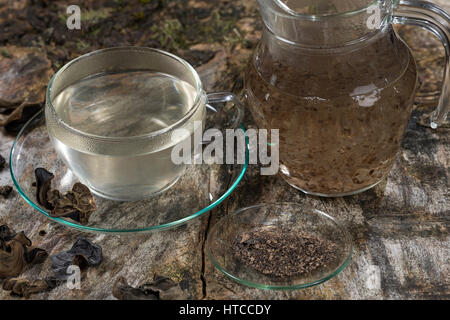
{"x":25,"y":288}
{"x":16,"y":252}
{"x":43,"y":182}
{"x":77,"y":204}
{"x":161,"y":288}
{"x":19,"y":116}
{"x":5,"y":191}
{"x":83,"y":253}
{"x":2,"y":162}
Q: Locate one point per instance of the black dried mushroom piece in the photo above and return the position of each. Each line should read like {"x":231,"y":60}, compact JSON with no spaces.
{"x":16,"y":252}
{"x":12,"y":260}
{"x":53,"y":282}
{"x":25,"y":288}
{"x":83,"y":253}
{"x":6,"y":233}
{"x":43,"y":180}
{"x":65,"y":207}
{"x":161,"y":288}
{"x":77,"y":204}
{"x":19,"y":116}
{"x":53,"y":197}
{"x":2,"y":162}
{"x":5,"y":191}
{"x":123,"y":291}
{"x":35,"y":255}
{"x":84,"y":199}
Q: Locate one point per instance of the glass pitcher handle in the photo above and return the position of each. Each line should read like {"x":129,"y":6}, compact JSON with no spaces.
{"x":226,"y":108}
{"x":225,"y":111}
{"x":433,"y":18}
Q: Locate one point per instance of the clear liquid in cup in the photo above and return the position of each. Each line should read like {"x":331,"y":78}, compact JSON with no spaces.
{"x":123,"y":105}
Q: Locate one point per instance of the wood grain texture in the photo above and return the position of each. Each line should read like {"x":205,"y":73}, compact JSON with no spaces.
{"x":400,"y":228}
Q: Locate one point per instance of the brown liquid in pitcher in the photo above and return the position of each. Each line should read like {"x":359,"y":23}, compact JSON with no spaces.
{"x":341,"y":114}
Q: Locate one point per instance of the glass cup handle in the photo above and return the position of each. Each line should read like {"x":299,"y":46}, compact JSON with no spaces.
{"x":432,"y":18}
{"x":226,"y":107}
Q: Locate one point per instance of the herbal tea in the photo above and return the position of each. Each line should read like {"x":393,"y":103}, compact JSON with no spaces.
{"x":341,"y":115}
{"x":125,"y":105}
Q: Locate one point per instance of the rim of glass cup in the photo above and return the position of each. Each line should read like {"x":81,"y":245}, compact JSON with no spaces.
{"x":290,"y":13}
{"x":284,"y":287}
{"x":200,"y":93}
{"x":123,"y":231}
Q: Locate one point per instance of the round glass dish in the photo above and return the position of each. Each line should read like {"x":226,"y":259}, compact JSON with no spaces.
{"x":190,"y":197}
{"x":277,"y":216}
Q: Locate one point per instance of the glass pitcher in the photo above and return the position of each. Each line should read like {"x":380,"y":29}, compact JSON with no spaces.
{"x":338,"y":83}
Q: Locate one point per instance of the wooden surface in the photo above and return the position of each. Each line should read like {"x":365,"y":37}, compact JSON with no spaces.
{"x":400,"y":228}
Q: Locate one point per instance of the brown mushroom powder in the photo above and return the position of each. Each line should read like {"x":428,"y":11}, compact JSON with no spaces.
{"x":283,"y":253}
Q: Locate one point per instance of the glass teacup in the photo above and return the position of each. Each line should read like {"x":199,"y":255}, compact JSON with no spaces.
{"x":111,"y":115}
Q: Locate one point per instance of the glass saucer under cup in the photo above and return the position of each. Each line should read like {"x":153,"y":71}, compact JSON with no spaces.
{"x":187,"y":199}
{"x":293,"y":216}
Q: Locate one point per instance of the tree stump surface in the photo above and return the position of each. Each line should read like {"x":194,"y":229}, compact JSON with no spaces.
{"x":400,"y":228}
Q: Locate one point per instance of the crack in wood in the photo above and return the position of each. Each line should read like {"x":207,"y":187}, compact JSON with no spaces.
{"x":202,"y":274}
{"x":205,"y":237}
